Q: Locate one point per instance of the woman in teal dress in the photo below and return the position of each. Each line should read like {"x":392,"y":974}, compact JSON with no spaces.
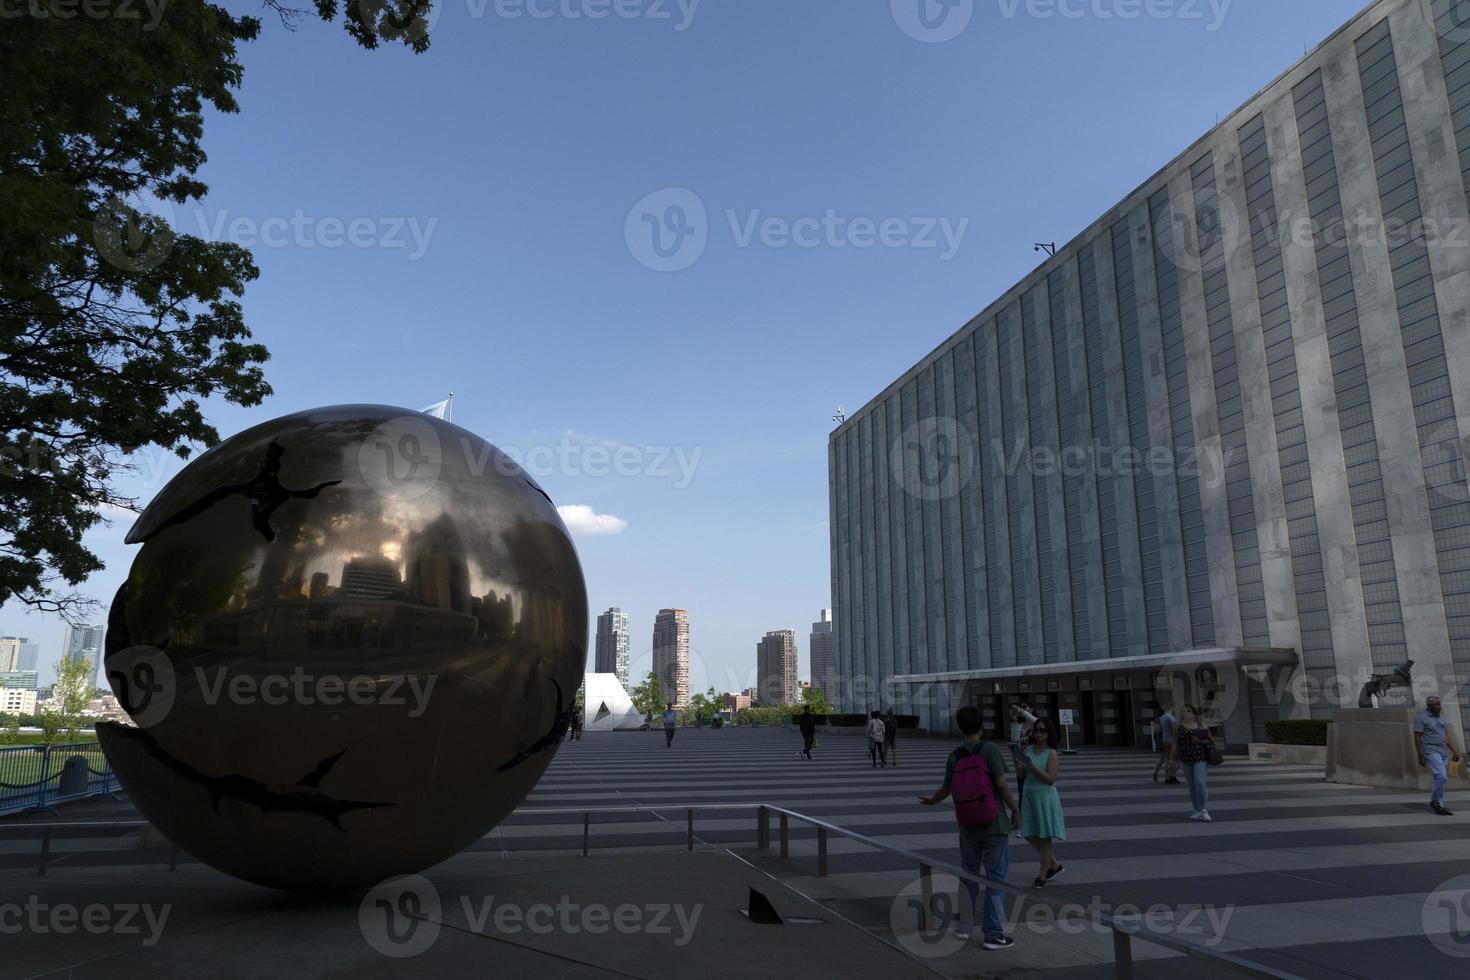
{"x":1041,"y":807}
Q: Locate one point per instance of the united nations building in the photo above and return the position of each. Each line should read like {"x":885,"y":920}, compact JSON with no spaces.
{"x":1214,"y":448}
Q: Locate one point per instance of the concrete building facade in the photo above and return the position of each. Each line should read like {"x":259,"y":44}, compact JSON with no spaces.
{"x":612,"y":644}
{"x":1215,"y":448}
{"x":671,"y":655}
{"x":775,"y":668}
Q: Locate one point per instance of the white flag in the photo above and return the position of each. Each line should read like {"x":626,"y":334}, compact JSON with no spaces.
{"x":439,"y":410}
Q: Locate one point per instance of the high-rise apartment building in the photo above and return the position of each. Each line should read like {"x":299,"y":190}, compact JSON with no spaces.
{"x":612,"y":644}
{"x":10,"y":651}
{"x":671,"y":655}
{"x":775,"y":668}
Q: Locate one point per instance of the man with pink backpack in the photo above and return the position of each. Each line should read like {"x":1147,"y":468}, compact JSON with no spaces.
{"x":974,"y":774}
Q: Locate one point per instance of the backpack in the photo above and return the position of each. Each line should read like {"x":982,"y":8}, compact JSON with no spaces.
{"x":973,"y":791}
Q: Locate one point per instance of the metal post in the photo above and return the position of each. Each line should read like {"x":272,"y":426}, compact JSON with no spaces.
{"x":821,"y":852}
{"x":762,"y":828}
{"x":691,"y":828}
{"x":45,"y":852}
{"x":785,"y":838}
{"x":45,"y":774}
{"x":586,"y":830}
{"x":926,"y":896}
{"x":1122,"y":954}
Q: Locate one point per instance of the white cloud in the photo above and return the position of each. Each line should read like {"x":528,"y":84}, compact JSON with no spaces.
{"x":587,"y":439}
{"x":581,"y":519}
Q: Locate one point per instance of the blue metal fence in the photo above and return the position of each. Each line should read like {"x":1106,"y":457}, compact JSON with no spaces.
{"x":37,"y":776}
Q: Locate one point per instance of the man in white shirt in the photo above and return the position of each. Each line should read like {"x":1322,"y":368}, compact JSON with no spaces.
{"x":875,"y":741}
{"x":1022,"y":719}
{"x":1168,"y":724}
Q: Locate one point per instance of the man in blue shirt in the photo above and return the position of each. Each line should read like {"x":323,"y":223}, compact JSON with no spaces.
{"x":1436,"y":750}
{"x":671,"y":719}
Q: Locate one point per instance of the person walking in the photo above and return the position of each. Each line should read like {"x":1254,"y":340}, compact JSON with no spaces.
{"x":875,"y":740}
{"x":1021,"y":721}
{"x":890,"y":736}
{"x":1436,"y":751}
{"x":576,"y":726}
{"x":1167,"y":725}
{"x":671,"y":719}
{"x":1191,"y":751}
{"x":1041,"y":807}
{"x":808,"y":724}
{"x":985,"y":812}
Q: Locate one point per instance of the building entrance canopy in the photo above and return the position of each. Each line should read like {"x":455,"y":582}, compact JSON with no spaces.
{"x":1217,"y":656}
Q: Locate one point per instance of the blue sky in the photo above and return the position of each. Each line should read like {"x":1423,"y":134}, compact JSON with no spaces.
{"x":479,"y":218}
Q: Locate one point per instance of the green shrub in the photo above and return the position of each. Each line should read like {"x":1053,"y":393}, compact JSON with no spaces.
{"x":1298,"y":731}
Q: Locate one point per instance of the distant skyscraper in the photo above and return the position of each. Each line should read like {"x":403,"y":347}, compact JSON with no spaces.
{"x":320,"y":586}
{"x":612,"y":644}
{"x":823,"y":674}
{"x":29,"y":654}
{"x":84,"y":642}
{"x":10,"y":652}
{"x":671,"y":655}
{"x":775,"y":668}
{"x":370,"y":578}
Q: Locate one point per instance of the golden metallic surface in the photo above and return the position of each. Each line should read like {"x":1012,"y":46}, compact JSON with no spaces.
{"x":350,"y":643}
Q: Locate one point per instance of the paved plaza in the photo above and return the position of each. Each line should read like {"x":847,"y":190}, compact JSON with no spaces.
{"x":1315,"y":879}
{"x":1318,"y":879}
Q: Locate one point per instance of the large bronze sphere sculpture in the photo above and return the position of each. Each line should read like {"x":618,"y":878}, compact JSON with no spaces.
{"x":350,"y":644}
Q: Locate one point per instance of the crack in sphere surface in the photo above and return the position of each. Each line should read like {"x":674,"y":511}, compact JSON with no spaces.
{"x":349,"y":645}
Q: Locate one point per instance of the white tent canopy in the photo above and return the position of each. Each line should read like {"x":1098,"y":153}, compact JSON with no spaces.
{"x":606,"y":706}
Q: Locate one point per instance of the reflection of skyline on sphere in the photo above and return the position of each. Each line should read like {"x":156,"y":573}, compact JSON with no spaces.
{"x":462,"y":588}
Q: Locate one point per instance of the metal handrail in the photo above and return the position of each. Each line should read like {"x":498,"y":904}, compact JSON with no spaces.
{"x":37,"y":794}
{"x":1122,"y":935}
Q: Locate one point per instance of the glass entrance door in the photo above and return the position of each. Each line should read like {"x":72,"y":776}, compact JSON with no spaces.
{"x":1112,"y":718}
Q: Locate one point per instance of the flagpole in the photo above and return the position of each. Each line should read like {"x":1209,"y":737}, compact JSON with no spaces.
{"x":449,"y":408}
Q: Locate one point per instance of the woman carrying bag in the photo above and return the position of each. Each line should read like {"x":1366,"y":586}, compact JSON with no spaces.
{"x":1194,"y":751}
